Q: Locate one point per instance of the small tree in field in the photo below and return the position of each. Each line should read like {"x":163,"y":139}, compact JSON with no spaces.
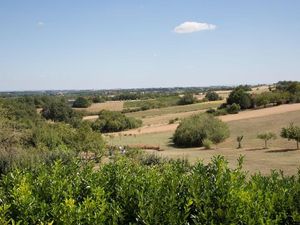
{"x":291,"y":132}
{"x":212,"y":96}
{"x":266,"y":137}
{"x":81,"y":102}
{"x":239,"y":140}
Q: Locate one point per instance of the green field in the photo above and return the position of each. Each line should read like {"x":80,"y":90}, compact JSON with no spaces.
{"x":156,"y":103}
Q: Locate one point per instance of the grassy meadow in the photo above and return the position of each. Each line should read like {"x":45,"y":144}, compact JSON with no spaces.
{"x":280,"y":155}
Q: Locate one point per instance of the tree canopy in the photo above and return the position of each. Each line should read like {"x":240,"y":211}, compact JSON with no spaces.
{"x":192,"y":131}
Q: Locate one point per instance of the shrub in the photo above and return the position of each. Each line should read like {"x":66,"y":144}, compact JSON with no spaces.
{"x":193,"y":130}
{"x":207,"y":143}
{"x":233,"y":109}
{"x":212,"y":96}
{"x":81,"y":102}
{"x":128,"y":192}
{"x":288,"y":86}
{"x":241,"y":97}
{"x":210,"y":111}
{"x":217,"y":112}
{"x":98,"y":99}
{"x":110,"y":121}
{"x":59,"y":111}
{"x":187,"y":99}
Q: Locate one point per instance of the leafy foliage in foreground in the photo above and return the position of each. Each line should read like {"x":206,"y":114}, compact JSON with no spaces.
{"x":128,"y":192}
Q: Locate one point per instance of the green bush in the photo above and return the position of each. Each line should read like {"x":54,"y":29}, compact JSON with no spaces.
{"x":110,"y":121}
{"x":129,"y":192}
{"x":59,"y":111}
{"x":241,"y":97}
{"x":233,"y":109}
{"x":187,"y":99}
{"x":193,"y":130}
{"x":98,"y":99}
{"x":212,"y":96}
{"x":207,"y":143}
{"x":81,"y":102}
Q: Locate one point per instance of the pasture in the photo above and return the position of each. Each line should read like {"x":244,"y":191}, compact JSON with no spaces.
{"x":280,"y":155}
{"x":175,"y":109}
{"x":97,"y":107}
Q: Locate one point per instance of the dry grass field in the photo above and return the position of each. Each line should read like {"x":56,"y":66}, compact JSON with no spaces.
{"x":281,"y":155}
{"x":175,"y":109}
{"x":163,"y":115}
{"x":260,"y":89}
{"x":159,"y":123}
{"x":109,"y":105}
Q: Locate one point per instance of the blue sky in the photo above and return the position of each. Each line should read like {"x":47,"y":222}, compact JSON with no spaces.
{"x":75,"y":44}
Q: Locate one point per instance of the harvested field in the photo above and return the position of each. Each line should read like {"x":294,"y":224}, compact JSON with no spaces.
{"x":163,"y":115}
{"x":260,"y":89}
{"x":281,"y":155}
{"x":109,"y":105}
{"x":261,"y":112}
{"x":175,"y":109}
{"x":224,"y":93}
{"x":156,"y":128}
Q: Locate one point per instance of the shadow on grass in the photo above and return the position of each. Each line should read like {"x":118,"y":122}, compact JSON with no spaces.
{"x":171,"y":144}
{"x":255,"y":149}
{"x":282,"y":150}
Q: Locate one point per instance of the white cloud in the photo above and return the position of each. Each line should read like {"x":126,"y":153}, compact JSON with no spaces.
{"x":190,"y":27}
{"x":40,"y":24}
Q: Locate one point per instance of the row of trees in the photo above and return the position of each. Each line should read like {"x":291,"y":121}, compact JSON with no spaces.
{"x":285,"y":92}
{"x":291,"y":132}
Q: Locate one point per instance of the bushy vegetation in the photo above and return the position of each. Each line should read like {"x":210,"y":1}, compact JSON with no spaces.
{"x":292,"y":87}
{"x":187,"y":99}
{"x":212,"y":96}
{"x":97,"y":99}
{"x":45,"y":179}
{"x":192,"y":131}
{"x":284,"y":92}
{"x":157,"y":102}
{"x":28,"y":139}
{"x":81,"y":102}
{"x":110,"y":121}
{"x":241,"y":97}
{"x":224,"y":110}
{"x":128,"y":192}
{"x":60,"y":111}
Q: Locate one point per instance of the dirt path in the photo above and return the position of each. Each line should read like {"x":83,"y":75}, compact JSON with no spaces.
{"x":157,"y":128}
